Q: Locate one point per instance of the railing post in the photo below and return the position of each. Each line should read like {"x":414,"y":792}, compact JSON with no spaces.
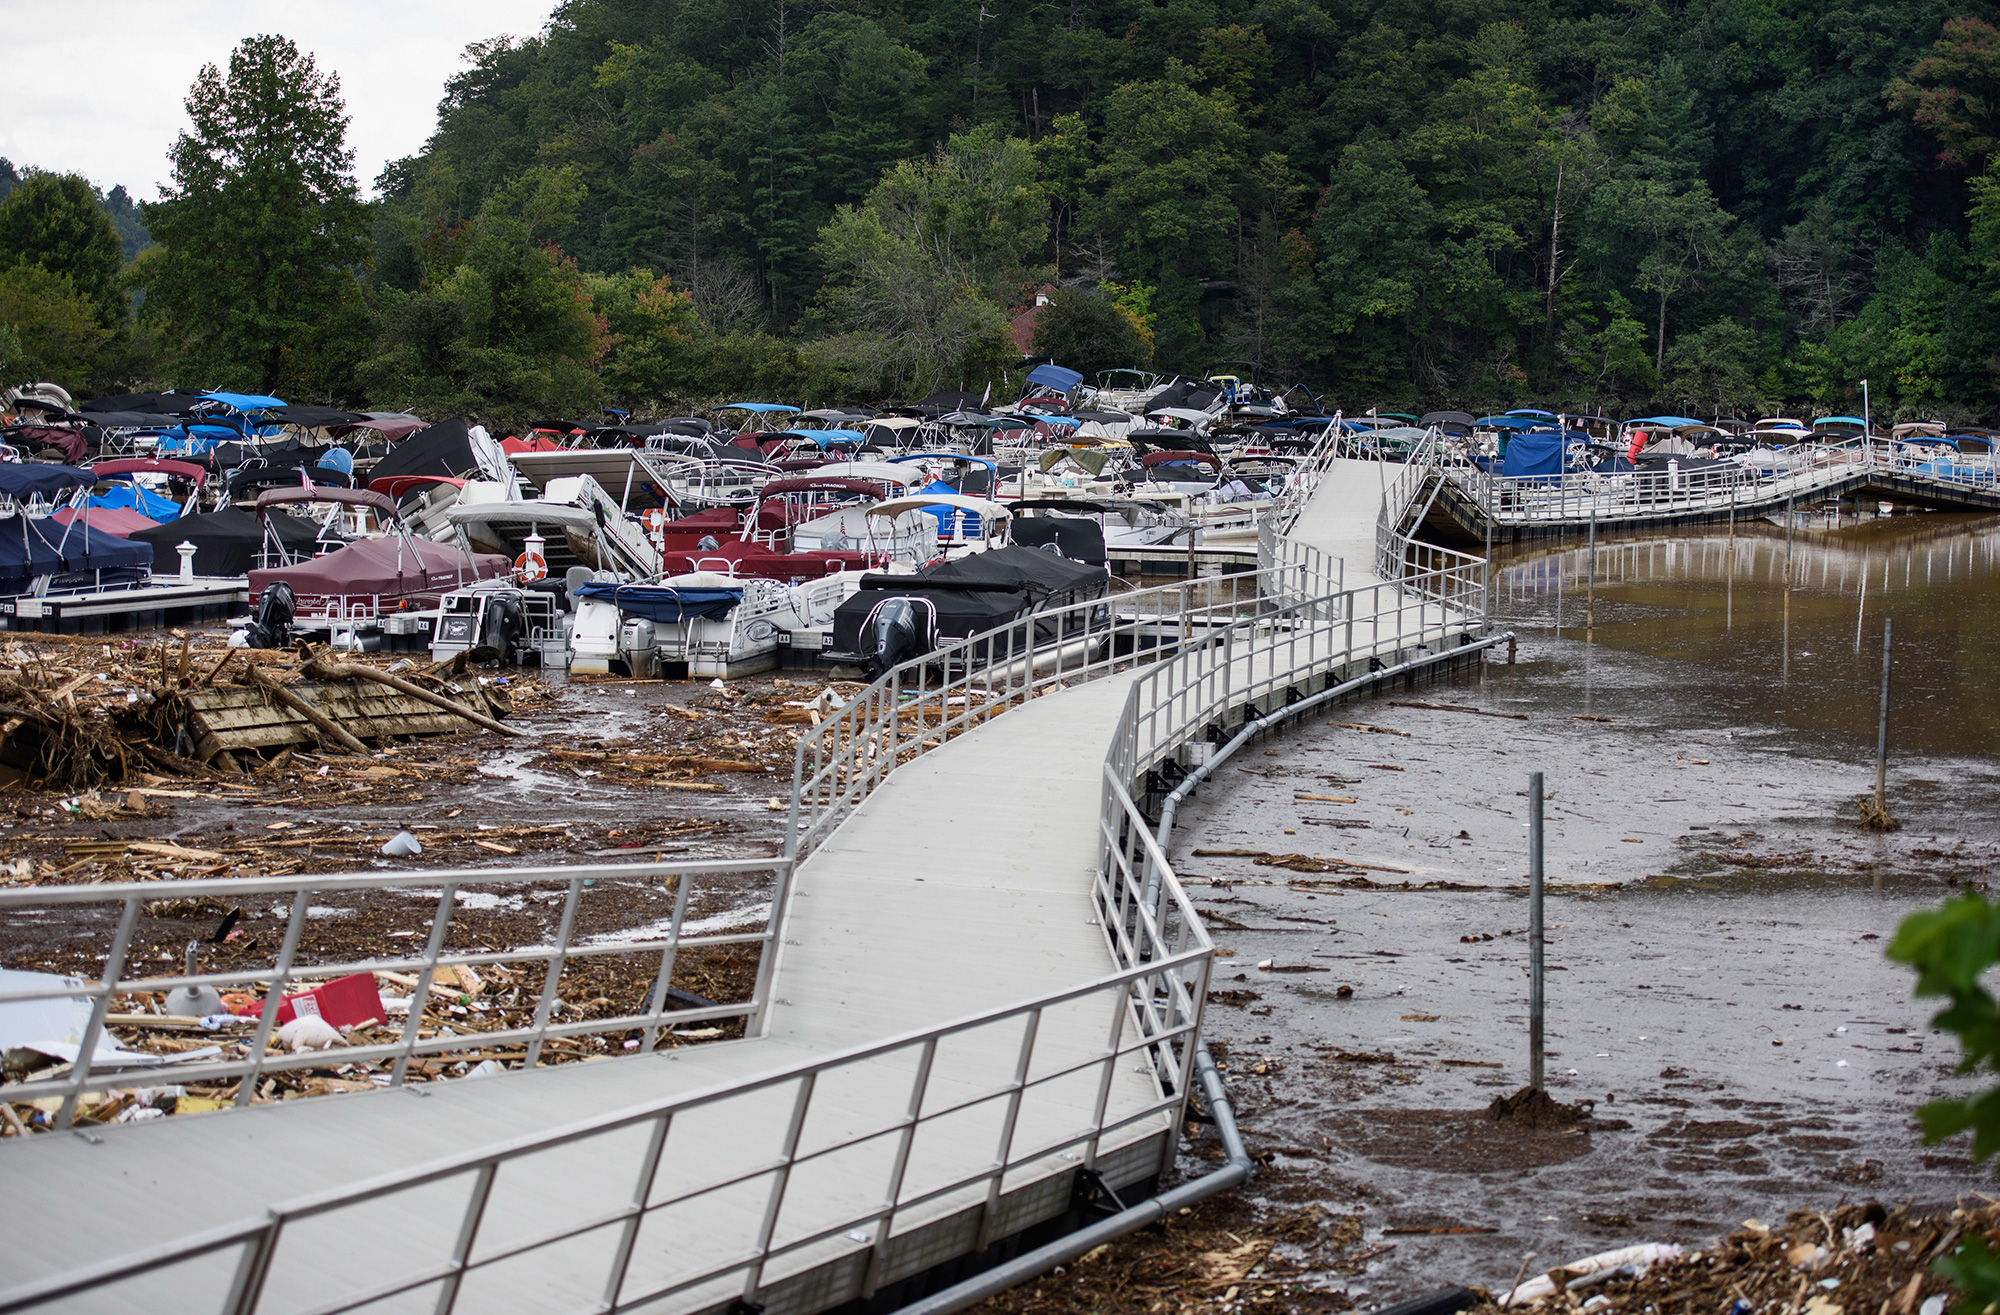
{"x":990,"y":1220}
{"x":420,"y":997}
{"x":267,"y":1021}
{"x":558,"y":959}
{"x":114,"y":964}
{"x":754,"y":1274}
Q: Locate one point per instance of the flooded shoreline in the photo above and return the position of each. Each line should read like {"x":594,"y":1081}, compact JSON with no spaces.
{"x":1718,"y":996}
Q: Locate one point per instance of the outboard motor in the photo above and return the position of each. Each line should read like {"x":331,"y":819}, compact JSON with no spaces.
{"x":896,"y":630}
{"x":638,"y":648}
{"x":270,"y":624}
{"x":502,"y":630}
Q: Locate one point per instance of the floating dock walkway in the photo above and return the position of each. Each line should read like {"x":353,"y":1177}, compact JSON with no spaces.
{"x":1455,"y":503}
{"x":977,"y":1016}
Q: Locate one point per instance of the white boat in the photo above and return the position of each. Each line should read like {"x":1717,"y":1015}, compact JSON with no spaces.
{"x":581,"y":524}
{"x":702,"y":624}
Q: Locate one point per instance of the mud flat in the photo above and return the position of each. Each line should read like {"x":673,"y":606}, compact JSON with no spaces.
{"x":1719,"y":1007}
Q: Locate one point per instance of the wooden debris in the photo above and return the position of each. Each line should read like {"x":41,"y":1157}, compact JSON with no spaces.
{"x":1460,"y":707}
{"x":298,"y":703}
{"x":323,"y":669}
{"x":1363,"y":726}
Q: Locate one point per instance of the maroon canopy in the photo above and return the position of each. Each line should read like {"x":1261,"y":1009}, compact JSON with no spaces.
{"x":111,"y":520}
{"x":1178,"y":455}
{"x":389,"y":567}
{"x":821,"y":484}
{"x":754,"y":559}
{"x":151,"y":465}
{"x":36,"y":438}
{"x":390,"y":427}
{"x":382,"y":504}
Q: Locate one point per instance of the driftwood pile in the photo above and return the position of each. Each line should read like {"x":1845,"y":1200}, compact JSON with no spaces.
{"x":1865,"y":1259}
{"x":79,"y":716}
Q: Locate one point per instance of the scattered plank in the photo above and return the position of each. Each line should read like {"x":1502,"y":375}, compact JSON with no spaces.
{"x":1460,"y":707}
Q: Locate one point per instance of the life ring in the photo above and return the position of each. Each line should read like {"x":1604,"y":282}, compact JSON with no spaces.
{"x":530,"y":567}
{"x":653,"y":519}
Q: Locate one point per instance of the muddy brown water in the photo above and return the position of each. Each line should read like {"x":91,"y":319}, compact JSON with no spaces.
{"x":1716,"y":921}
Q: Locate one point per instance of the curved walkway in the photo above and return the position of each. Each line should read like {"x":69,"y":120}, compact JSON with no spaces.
{"x":963,"y":885}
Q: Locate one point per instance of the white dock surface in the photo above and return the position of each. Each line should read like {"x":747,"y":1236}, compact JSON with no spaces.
{"x":961,"y":885}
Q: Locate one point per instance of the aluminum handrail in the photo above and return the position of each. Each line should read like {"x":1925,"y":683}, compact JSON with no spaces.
{"x":1577,"y":496}
{"x":444,"y":893}
{"x":268,"y":1227}
{"x":1227,"y":644}
{"x":904,"y":713}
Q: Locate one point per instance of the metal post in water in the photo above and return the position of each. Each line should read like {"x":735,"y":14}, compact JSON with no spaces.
{"x":1882,"y":729}
{"x":1535,"y":1007}
{"x":1729,"y":564}
{"x":1861,"y":610}
{"x":1590,"y":607}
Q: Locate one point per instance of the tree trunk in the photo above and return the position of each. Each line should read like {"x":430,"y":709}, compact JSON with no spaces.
{"x":1660,"y":350}
{"x":1555,"y":252}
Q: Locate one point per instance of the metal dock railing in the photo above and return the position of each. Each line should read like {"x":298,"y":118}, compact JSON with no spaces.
{"x":789,"y":1171}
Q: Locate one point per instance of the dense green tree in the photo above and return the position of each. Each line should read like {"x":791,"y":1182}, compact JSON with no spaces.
{"x":1088,"y":332}
{"x":57,"y":223}
{"x":1589,"y":202}
{"x":1165,"y":192}
{"x":55,"y":331}
{"x":920,"y":272}
{"x":1955,"y":91}
{"x":124,"y":214}
{"x":262,"y":228}
{"x":504,"y":325}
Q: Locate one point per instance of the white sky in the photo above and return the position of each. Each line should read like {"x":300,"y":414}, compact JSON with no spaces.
{"x":95,"y":86}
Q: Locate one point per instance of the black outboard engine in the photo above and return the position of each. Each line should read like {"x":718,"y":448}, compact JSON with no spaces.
{"x":896,"y":630}
{"x":271,"y":623}
{"x":506,"y":629}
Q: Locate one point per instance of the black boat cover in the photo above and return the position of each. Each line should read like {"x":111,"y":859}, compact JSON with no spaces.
{"x":34,"y":546}
{"x":1031,"y":572}
{"x":1075,"y":537}
{"x":443,"y":449}
{"x":226,"y":542}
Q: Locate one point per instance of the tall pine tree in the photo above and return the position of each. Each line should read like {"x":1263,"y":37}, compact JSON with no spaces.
{"x":262,"y":228}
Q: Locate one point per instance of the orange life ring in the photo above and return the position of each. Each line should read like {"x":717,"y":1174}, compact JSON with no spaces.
{"x":530,"y":567}
{"x":653,"y":519}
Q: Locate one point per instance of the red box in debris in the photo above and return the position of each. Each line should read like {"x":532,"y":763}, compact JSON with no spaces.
{"x":347,"y":1002}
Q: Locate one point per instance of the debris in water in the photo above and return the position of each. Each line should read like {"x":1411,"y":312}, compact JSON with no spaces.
{"x":1460,"y":707}
{"x":1531,"y":1107}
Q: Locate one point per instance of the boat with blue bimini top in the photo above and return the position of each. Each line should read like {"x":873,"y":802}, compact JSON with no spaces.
{"x":700,"y":624}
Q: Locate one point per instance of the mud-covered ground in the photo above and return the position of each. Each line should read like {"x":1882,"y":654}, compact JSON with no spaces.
{"x":1717,"y":996}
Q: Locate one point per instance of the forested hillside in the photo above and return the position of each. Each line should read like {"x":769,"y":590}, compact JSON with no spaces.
{"x":1732,"y":204}
{"x":1722,"y":201}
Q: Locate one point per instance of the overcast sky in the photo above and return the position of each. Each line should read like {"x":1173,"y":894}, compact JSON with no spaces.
{"x":95,"y":86}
